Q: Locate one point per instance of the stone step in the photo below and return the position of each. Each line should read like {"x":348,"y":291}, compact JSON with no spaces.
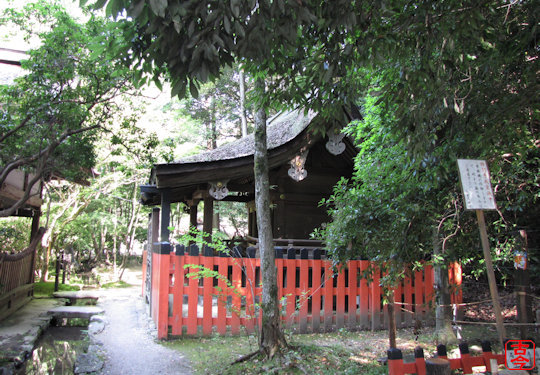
{"x":81,"y":294}
{"x":75,"y":296}
{"x":84,"y":312}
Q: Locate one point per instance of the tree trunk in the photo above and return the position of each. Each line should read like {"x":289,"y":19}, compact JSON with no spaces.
{"x":391,"y":319}
{"x":443,"y":310}
{"x":271,"y":339}
{"x":243,"y":116}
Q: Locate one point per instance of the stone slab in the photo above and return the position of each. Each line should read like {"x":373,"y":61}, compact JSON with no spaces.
{"x":84,"y":312}
{"x":77,"y":295}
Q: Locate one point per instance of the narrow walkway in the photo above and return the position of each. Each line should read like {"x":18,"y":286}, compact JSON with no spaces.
{"x":129,"y":338}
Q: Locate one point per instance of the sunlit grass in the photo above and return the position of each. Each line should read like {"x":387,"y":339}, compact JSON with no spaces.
{"x":46,"y":289}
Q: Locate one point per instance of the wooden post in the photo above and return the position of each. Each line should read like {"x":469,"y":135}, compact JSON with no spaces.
{"x":491,"y":276}
{"x":193,"y":213}
{"x":437,"y":366}
{"x":208,"y":217}
{"x":522,"y":290}
{"x":165,"y":216}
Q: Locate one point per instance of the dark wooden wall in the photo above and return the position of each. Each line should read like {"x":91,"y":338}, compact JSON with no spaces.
{"x":296,"y":211}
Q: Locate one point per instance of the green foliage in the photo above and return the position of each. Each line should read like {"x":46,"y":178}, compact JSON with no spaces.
{"x":116,"y":284}
{"x":14,"y":234}
{"x":51,"y":116}
{"x":46,"y":289}
{"x":216,"y":109}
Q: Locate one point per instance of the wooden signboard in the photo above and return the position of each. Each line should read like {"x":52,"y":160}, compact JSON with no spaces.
{"x":476,"y":185}
{"x":478,"y":196}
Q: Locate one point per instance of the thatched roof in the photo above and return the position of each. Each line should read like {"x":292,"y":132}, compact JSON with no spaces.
{"x":281,"y":129}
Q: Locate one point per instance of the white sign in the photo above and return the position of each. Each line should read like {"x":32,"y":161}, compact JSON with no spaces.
{"x":476,"y":185}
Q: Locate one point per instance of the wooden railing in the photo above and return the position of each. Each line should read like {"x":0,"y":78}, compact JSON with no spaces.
{"x":17,"y":277}
{"x":313,"y":298}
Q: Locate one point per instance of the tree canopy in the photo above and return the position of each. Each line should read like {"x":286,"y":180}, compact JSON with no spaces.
{"x":51,"y":115}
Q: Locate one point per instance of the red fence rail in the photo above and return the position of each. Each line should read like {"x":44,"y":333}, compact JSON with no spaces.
{"x":313,"y":299}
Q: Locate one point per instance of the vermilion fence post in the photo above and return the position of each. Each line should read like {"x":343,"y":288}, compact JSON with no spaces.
{"x":290,"y":289}
{"x":398,"y":306}
{"x":328,"y":296}
{"x":222,"y":293}
{"x":250,"y":267}
{"x":208,"y":288}
{"x":236,"y":298}
{"x":352,"y":293}
{"x":316,"y":282}
{"x":375,"y":301}
{"x":178,"y":291}
{"x":192,"y":290}
{"x":161,"y":264}
{"x":340,"y":299}
{"x":407,"y":307}
{"x":304,"y":291}
{"x":364,"y":297}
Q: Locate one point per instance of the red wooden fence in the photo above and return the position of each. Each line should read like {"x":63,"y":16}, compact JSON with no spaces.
{"x":313,"y":299}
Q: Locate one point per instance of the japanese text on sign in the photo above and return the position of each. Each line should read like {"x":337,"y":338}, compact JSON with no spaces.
{"x":476,"y":185}
{"x":520,"y":354}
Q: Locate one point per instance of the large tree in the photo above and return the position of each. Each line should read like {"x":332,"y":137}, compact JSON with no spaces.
{"x":451,"y":70}
{"x":450,"y":79}
{"x":50,"y":116}
{"x":194,"y":40}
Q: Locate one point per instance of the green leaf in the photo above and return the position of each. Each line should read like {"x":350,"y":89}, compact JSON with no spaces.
{"x":158,"y":7}
{"x":114,"y":7}
{"x":158,"y":84}
{"x":193,"y":89}
{"x":227,"y":24}
{"x":135,"y":8}
{"x":98,"y":4}
{"x":179,"y":89}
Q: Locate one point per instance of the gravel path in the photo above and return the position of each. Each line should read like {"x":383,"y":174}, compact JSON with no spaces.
{"x":129,"y":339}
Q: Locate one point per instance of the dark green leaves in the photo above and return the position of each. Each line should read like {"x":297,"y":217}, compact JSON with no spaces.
{"x":158,"y":7}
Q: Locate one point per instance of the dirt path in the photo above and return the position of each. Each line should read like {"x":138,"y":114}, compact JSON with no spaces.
{"x":129,"y":340}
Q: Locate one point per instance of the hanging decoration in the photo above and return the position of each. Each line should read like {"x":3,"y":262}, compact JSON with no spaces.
{"x":297,"y":171}
{"x":218,"y":189}
{"x":335,"y":146}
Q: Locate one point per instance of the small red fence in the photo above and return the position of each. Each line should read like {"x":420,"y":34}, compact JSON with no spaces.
{"x":464,"y":363}
{"x":313,"y":298}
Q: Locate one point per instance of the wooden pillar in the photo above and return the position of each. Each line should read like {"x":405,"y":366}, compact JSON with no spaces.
{"x":34,"y":232}
{"x":36,"y":215}
{"x":208,"y":217}
{"x":193,"y":213}
{"x":165,"y":216}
